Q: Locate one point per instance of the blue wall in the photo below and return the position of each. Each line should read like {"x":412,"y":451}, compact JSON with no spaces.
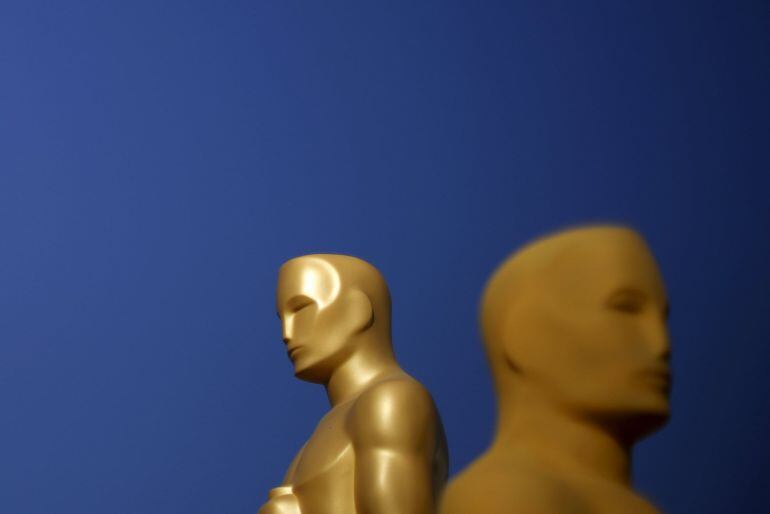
{"x":159,"y":160}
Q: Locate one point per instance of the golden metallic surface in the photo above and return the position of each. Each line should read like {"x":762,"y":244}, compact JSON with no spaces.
{"x":381,"y":447}
{"x":575,"y":331}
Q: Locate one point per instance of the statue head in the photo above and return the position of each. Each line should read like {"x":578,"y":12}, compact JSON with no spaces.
{"x":326,"y":303}
{"x":580,"y":318}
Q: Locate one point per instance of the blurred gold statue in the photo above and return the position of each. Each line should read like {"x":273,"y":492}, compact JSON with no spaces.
{"x":381,"y":448}
{"x":574,"y":327}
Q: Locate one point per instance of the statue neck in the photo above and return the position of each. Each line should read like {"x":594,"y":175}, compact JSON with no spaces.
{"x":371,"y":361}
{"x":531,"y":427}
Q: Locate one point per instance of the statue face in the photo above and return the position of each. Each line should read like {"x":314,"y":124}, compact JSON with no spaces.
{"x":311,"y":307}
{"x":599,"y":340}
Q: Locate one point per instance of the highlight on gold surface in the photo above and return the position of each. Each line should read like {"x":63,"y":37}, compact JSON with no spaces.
{"x":575,"y":331}
{"x":381,"y":447}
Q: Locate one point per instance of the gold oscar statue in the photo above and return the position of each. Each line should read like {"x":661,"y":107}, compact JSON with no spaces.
{"x":381,"y":448}
{"x":575,"y":331}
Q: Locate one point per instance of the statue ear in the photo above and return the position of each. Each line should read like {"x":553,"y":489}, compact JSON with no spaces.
{"x":511,"y":349}
{"x":511,"y":357}
{"x":360,"y":310}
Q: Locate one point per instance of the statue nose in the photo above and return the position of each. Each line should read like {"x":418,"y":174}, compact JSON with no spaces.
{"x":661,"y":343}
{"x":287,"y":330}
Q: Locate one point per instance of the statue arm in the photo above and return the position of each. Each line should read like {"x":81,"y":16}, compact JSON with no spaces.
{"x":281,"y":501}
{"x":394,"y":437}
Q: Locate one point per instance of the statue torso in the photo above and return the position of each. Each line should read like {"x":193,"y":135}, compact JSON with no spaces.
{"x":508,"y":486}
{"x":322,"y":475}
{"x":608,"y":498}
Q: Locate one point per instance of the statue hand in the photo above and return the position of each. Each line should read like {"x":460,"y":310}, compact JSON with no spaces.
{"x":281,"y":501}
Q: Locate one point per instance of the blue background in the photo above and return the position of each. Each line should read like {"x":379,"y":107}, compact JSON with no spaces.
{"x":160,"y":160}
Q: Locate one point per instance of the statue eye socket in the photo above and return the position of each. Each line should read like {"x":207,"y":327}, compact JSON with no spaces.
{"x":298,"y":303}
{"x":302,"y":306}
{"x":627,"y":301}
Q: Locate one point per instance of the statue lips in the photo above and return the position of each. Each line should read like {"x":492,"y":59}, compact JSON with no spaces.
{"x":659,"y":376}
{"x":292,"y":351}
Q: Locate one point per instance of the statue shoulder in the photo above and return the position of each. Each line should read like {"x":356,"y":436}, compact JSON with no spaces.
{"x":395,"y":411}
{"x":488,"y":486}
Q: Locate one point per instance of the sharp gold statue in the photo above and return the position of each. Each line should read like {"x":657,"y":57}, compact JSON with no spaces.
{"x":574,"y":327}
{"x":381,"y":448}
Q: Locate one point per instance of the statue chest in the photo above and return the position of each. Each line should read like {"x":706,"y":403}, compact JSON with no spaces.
{"x":328,"y":451}
{"x":611,"y":500}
